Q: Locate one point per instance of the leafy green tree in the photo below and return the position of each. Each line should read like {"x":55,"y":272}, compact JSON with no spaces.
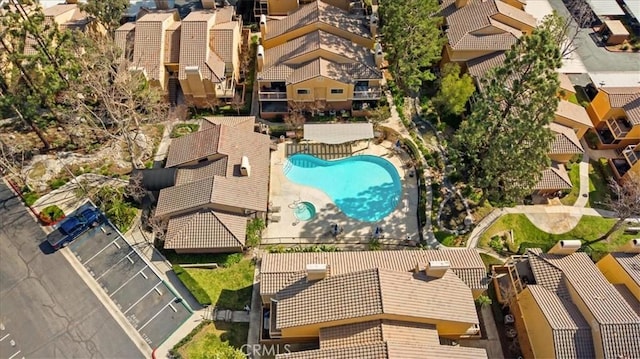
{"x":502,"y":146}
{"x":413,"y":39}
{"x":107,"y":12}
{"x":455,"y":90}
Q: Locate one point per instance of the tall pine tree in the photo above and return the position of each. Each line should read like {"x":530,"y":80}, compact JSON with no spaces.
{"x":502,"y":147}
{"x":413,"y":39}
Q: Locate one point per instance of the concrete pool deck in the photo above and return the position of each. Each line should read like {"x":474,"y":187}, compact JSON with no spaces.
{"x":284,"y":194}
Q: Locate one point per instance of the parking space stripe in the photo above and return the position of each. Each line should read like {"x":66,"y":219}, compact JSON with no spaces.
{"x":129,"y":280}
{"x":158,"y":313}
{"x":141,"y":298}
{"x":100,"y":251}
{"x":3,"y":338}
{"x":14,"y":355}
{"x":118,"y":262}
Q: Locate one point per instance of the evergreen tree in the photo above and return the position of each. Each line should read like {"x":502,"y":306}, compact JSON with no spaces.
{"x":107,"y":12}
{"x":502,"y":147}
{"x":413,"y":39}
{"x":455,"y":90}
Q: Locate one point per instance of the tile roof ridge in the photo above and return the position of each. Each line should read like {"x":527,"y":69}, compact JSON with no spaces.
{"x":193,"y":215}
{"x":222,"y":222}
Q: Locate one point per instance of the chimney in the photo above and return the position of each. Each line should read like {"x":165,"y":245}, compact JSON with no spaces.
{"x":373,"y":24}
{"x":260,"y":57}
{"x":71,"y":1}
{"x":263,"y":26}
{"x":437,"y":268}
{"x":316,"y":272}
{"x":461,"y":3}
{"x":378,"y":56}
{"x":566,"y":247}
{"x":245,"y":168}
{"x":162,"y":4}
{"x":633,"y":246}
{"x":208,"y":4}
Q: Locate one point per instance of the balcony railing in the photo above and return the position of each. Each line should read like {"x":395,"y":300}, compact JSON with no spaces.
{"x":619,"y":127}
{"x":372,"y":93}
{"x":264,"y":95}
{"x":632,"y":154}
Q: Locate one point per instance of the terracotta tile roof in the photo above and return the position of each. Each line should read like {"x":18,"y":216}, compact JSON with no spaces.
{"x":317,"y":12}
{"x":378,"y":331}
{"x":147,"y":53}
{"x":617,"y":322}
{"x":193,"y":147}
{"x":201,"y":171}
{"x":629,"y":297}
{"x":194,"y":45}
{"x":246,"y":123}
{"x":375,"y":292}
{"x":479,"y":66}
{"x":571,"y":332}
{"x":277,"y":269}
{"x":554,"y":177}
{"x":573,"y":112}
{"x":345,"y":73}
{"x":630,"y":262}
{"x":627,"y":98}
{"x":566,"y":141}
{"x":313,"y":41}
{"x":227,"y":189}
{"x":466,"y":24}
{"x":389,"y":350}
{"x":172,"y":47}
{"x":206,"y":229}
{"x":222,"y":40}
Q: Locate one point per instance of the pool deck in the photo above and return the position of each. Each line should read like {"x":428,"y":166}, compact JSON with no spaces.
{"x":286,"y":194}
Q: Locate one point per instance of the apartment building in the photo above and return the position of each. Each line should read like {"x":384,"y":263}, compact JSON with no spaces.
{"x":198,"y":56}
{"x":565,"y":307}
{"x":382,"y":304}
{"x":318,"y":58}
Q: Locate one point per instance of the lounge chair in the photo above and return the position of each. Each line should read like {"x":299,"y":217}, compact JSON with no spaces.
{"x":273,"y":218}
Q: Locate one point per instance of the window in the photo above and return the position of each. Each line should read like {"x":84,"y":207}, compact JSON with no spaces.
{"x":303,"y":91}
{"x":336,"y":91}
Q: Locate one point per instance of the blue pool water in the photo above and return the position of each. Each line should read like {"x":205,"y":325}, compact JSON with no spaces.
{"x":366,"y":188}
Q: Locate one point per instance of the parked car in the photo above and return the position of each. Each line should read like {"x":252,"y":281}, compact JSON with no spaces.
{"x":70,"y":228}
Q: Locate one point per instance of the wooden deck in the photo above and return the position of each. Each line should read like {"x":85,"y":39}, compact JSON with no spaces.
{"x":320,"y":150}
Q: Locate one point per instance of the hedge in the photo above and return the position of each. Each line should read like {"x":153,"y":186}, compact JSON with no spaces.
{"x":196,"y":290}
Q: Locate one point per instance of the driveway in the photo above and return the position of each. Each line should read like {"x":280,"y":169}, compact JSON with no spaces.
{"x":46,"y":310}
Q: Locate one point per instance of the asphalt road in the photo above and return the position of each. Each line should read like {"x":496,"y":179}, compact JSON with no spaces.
{"x":46,"y":310}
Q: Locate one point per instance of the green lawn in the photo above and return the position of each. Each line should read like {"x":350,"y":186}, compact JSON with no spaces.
{"x":598,"y":186}
{"x":489,"y":260}
{"x":574,"y":175}
{"x":215,"y":338}
{"x":527,"y":235}
{"x":228,"y":287}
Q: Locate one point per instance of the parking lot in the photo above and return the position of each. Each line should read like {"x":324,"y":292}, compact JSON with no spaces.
{"x":142,"y":296}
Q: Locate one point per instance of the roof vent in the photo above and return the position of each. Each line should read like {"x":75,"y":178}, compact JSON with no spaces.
{"x":566,"y":247}
{"x":245,"y":167}
{"x":437,"y":268}
{"x":316,"y":272}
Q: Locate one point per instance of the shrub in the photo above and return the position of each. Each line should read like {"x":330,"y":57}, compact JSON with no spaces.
{"x":51,"y":214}
{"x":374,"y":244}
{"x":57,"y":183}
{"x":300,"y":249}
{"x":232,"y":259}
{"x":496,"y":243}
{"x":194,"y":288}
{"x":182,"y":129}
{"x":30,"y":197}
{"x":254,"y":232}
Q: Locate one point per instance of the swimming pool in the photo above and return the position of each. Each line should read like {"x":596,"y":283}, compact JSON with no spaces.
{"x":366,"y":188}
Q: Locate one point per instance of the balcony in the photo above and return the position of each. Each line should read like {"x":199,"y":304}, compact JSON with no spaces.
{"x":370,"y":93}
{"x":268,"y":95}
{"x":632,"y":154}
{"x":619,"y":166}
{"x":619,"y":127}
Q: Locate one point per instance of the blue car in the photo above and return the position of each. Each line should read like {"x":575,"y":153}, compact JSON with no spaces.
{"x":73,"y":226}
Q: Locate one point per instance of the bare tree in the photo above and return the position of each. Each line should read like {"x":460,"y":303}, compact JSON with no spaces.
{"x":237,"y":103}
{"x":135,"y":188}
{"x":566,"y":30}
{"x":12,"y":160}
{"x":624,"y":200}
{"x":113,"y":96}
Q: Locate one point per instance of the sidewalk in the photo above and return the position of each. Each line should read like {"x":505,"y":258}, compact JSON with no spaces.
{"x":583,"y":196}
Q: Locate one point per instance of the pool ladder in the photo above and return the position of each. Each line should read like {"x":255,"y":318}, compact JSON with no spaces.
{"x":287,"y":167}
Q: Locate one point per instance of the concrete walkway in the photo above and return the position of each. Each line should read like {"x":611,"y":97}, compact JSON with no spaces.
{"x":583,"y":196}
